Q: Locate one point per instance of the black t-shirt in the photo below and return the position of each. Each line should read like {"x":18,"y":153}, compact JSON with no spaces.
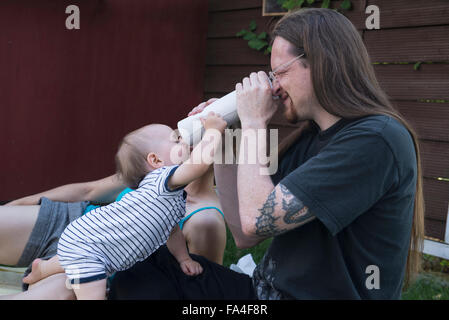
{"x":358,"y":178}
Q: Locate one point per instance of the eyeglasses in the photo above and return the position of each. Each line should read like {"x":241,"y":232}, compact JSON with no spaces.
{"x":273,"y":75}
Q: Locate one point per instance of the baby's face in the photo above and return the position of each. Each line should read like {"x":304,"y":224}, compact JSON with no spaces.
{"x":171,"y":148}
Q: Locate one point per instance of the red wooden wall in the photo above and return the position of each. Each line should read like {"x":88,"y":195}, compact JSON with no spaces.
{"x":410,"y":32}
{"x":68,"y":96}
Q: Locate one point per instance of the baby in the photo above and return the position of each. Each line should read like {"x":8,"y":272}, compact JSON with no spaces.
{"x":115,"y":237}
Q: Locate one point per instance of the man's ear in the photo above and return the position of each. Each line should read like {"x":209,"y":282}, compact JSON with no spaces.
{"x":154,"y":161}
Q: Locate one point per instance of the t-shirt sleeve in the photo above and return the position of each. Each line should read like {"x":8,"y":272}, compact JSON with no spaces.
{"x":162,"y":181}
{"x":345,"y":179}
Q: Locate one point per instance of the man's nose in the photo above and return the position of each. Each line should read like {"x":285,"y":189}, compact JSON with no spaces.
{"x":276,"y":88}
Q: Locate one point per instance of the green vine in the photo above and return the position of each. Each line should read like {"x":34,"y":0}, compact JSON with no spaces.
{"x":260,"y":41}
{"x":295,"y":4}
{"x":255,"y":41}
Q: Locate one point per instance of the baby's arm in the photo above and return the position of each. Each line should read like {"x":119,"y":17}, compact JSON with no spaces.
{"x":177,"y":246}
{"x":202,"y":155}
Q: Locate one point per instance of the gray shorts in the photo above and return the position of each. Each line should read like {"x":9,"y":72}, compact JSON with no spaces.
{"x":52,"y":219}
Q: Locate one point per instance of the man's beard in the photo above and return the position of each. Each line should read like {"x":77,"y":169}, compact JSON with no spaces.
{"x":290,"y":115}
{"x":294,"y":114}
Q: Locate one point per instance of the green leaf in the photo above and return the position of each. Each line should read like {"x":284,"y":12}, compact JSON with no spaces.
{"x":326,"y":4}
{"x":257,"y":44}
{"x":252,"y":25}
{"x":292,"y":4}
{"x":416,"y":66}
{"x":241,"y":33}
{"x":346,"y":5}
{"x":250,"y":36}
{"x":262,"y":35}
{"x":310,"y":1}
{"x":267,"y":50}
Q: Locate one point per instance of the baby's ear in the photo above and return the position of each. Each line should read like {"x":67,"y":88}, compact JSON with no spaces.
{"x":154,"y":161}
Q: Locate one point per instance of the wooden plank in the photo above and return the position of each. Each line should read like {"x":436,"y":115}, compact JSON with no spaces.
{"x":435,"y":159}
{"x":408,"y":44}
{"x":434,"y":154}
{"x":430,"y":120}
{"x":233,"y":51}
{"x":223,"y":5}
{"x":434,"y":228}
{"x":228,"y":23}
{"x":436,"y":198}
{"x":222,"y":79}
{"x":402,"y":82}
{"x":357,"y":13}
{"x":400,"y":13}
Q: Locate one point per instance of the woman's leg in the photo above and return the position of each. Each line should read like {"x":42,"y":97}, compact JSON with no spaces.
{"x":51,"y":288}
{"x":16,"y":224}
{"x":205,"y":233}
{"x":95,"y":290}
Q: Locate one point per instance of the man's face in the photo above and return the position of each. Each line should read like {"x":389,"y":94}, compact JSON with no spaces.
{"x":293,"y":82}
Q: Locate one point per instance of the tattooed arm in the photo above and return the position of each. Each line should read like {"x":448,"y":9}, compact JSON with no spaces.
{"x":266,"y":210}
{"x":281,"y":212}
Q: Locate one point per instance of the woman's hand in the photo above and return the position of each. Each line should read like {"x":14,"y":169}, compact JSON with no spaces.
{"x":255,"y":104}
{"x":191,"y":267}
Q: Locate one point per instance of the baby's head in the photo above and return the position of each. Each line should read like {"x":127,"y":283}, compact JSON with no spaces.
{"x":147,"y":149}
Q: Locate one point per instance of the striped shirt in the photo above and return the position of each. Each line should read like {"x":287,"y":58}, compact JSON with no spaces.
{"x":115,"y":237}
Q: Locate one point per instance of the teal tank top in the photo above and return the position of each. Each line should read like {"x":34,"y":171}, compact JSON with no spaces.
{"x":91,"y":207}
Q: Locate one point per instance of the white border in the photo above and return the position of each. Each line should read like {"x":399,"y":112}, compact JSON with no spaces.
{"x":439,"y":249}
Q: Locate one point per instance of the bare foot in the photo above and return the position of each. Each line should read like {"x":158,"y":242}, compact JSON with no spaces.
{"x":36,"y":273}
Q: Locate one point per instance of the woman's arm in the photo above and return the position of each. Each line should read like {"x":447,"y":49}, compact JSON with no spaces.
{"x":176,"y":244}
{"x":99,"y":191}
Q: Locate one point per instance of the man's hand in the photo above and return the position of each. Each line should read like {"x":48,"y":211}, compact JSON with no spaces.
{"x":191,"y":267}
{"x":255,"y":104}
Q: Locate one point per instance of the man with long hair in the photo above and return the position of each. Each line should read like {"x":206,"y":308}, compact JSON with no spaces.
{"x":345,"y":208}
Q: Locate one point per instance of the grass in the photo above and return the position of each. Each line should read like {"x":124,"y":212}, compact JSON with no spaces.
{"x":428,"y":285}
{"x":233,"y":254}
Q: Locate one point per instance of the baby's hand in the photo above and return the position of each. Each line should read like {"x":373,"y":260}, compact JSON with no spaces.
{"x":214,"y":121}
{"x":191,"y":267}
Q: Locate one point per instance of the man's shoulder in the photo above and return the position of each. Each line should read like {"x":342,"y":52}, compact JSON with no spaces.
{"x":383,"y":129}
{"x":383,"y":126}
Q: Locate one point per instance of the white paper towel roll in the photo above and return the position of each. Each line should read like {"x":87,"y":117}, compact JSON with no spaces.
{"x":191,"y":128}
